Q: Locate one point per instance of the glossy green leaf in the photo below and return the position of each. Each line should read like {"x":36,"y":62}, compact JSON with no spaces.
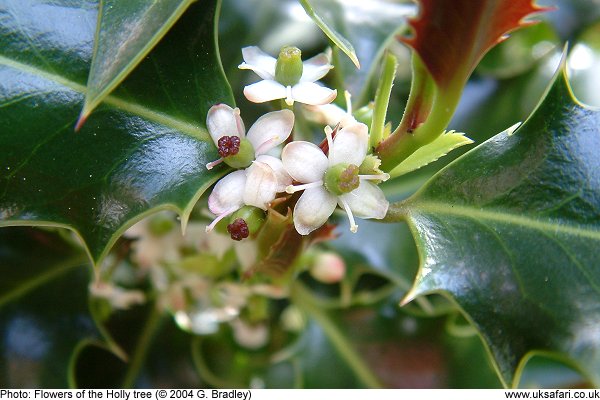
{"x":329,"y":30}
{"x":370,"y":27}
{"x":511,"y":231}
{"x":145,"y":149}
{"x":126,"y":32}
{"x":431,"y":152}
{"x":43,"y":307}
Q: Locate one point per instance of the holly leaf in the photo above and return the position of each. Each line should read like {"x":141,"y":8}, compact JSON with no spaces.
{"x":431,"y":152}
{"x":127,"y":31}
{"x":327,"y":28}
{"x":40,"y":329}
{"x":143,"y":150}
{"x":449,"y":39}
{"x":452,"y":36}
{"x":511,"y":231}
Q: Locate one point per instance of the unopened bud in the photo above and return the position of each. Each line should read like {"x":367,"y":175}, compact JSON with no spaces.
{"x":329,"y":267}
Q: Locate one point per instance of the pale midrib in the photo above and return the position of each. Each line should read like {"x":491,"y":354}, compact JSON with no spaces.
{"x":132,"y":108}
{"x":502,"y":217}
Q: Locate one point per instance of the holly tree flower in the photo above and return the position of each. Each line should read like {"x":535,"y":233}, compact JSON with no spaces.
{"x":341,"y":178}
{"x":287,"y":77}
{"x":263,"y":175}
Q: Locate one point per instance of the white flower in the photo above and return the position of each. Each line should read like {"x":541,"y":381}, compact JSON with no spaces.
{"x":333,"y":180}
{"x":331,"y":114}
{"x":258,"y":184}
{"x":301,"y":88}
{"x":226,"y":128}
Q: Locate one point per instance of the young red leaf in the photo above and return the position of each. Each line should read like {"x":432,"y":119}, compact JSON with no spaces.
{"x":449,"y":39}
{"x":451,"y":36}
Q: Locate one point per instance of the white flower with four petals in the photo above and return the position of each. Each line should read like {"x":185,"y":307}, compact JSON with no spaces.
{"x":304,"y":91}
{"x":329,"y":181}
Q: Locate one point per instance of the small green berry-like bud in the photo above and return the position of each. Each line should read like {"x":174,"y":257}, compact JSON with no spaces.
{"x":288,"y":69}
{"x":244,"y":156}
{"x":341,"y":178}
{"x":253,"y":217}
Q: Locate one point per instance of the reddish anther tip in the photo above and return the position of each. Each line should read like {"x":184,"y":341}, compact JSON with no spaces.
{"x":238,"y":229}
{"x":228,"y":146}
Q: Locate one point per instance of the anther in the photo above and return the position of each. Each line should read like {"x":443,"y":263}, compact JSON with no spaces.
{"x":228,"y":146}
{"x":238,"y":229}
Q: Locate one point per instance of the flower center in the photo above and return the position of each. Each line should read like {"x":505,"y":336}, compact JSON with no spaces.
{"x":342,"y":178}
{"x":238,"y":229}
{"x":228,"y":146}
{"x":288,"y":69}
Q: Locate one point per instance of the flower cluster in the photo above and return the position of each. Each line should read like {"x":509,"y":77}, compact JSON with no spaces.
{"x":340,"y":172}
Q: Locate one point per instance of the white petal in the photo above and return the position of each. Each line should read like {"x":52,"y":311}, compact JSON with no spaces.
{"x":261,"y":185}
{"x":367,"y":201}
{"x":283,"y":178}
{"x":271,"y":130}
{"x":350,"y":145}
{"x":328,"y":114}
{"x":228,"y":193}
{"x":313,"y":209}
{"x":315,"y":68}
{"x":313,"y":94}
{"x":304,"y":161}
{"x":259,"y":62}
{"x":263,"y":91}
{"x":223,"y":120}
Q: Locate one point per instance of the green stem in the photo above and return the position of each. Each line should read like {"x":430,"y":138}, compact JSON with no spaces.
{"x":140,"y":351}
{"x":303,"y":299}
{"x":428,"y":112}
{"x":382,"y":100}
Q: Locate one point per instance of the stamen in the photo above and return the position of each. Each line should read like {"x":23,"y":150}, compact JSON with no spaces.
{"x":379,"y":177}
{"x":238,"y":229}
{"x":227,"y":212}
{"x":348,"y":97}
{"x":293,"y":189}
{"x":268,"y":144}
{"x":328,"y":135}
{"x":288,"y":99}
{"x":238,"y":123}
{"x":228,"y":146}
{"x":212,"y":164}
{"x":353,"y":226}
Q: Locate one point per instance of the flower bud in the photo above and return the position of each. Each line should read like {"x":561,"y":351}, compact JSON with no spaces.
{"x":288,"y":69}
{"x":341,"y":178}
{"x":329,"y":267}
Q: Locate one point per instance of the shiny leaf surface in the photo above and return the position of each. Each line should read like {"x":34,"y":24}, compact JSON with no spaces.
{"x":510,"y":231}
{"x":144,"y":150}
{"x":126,"y":32}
